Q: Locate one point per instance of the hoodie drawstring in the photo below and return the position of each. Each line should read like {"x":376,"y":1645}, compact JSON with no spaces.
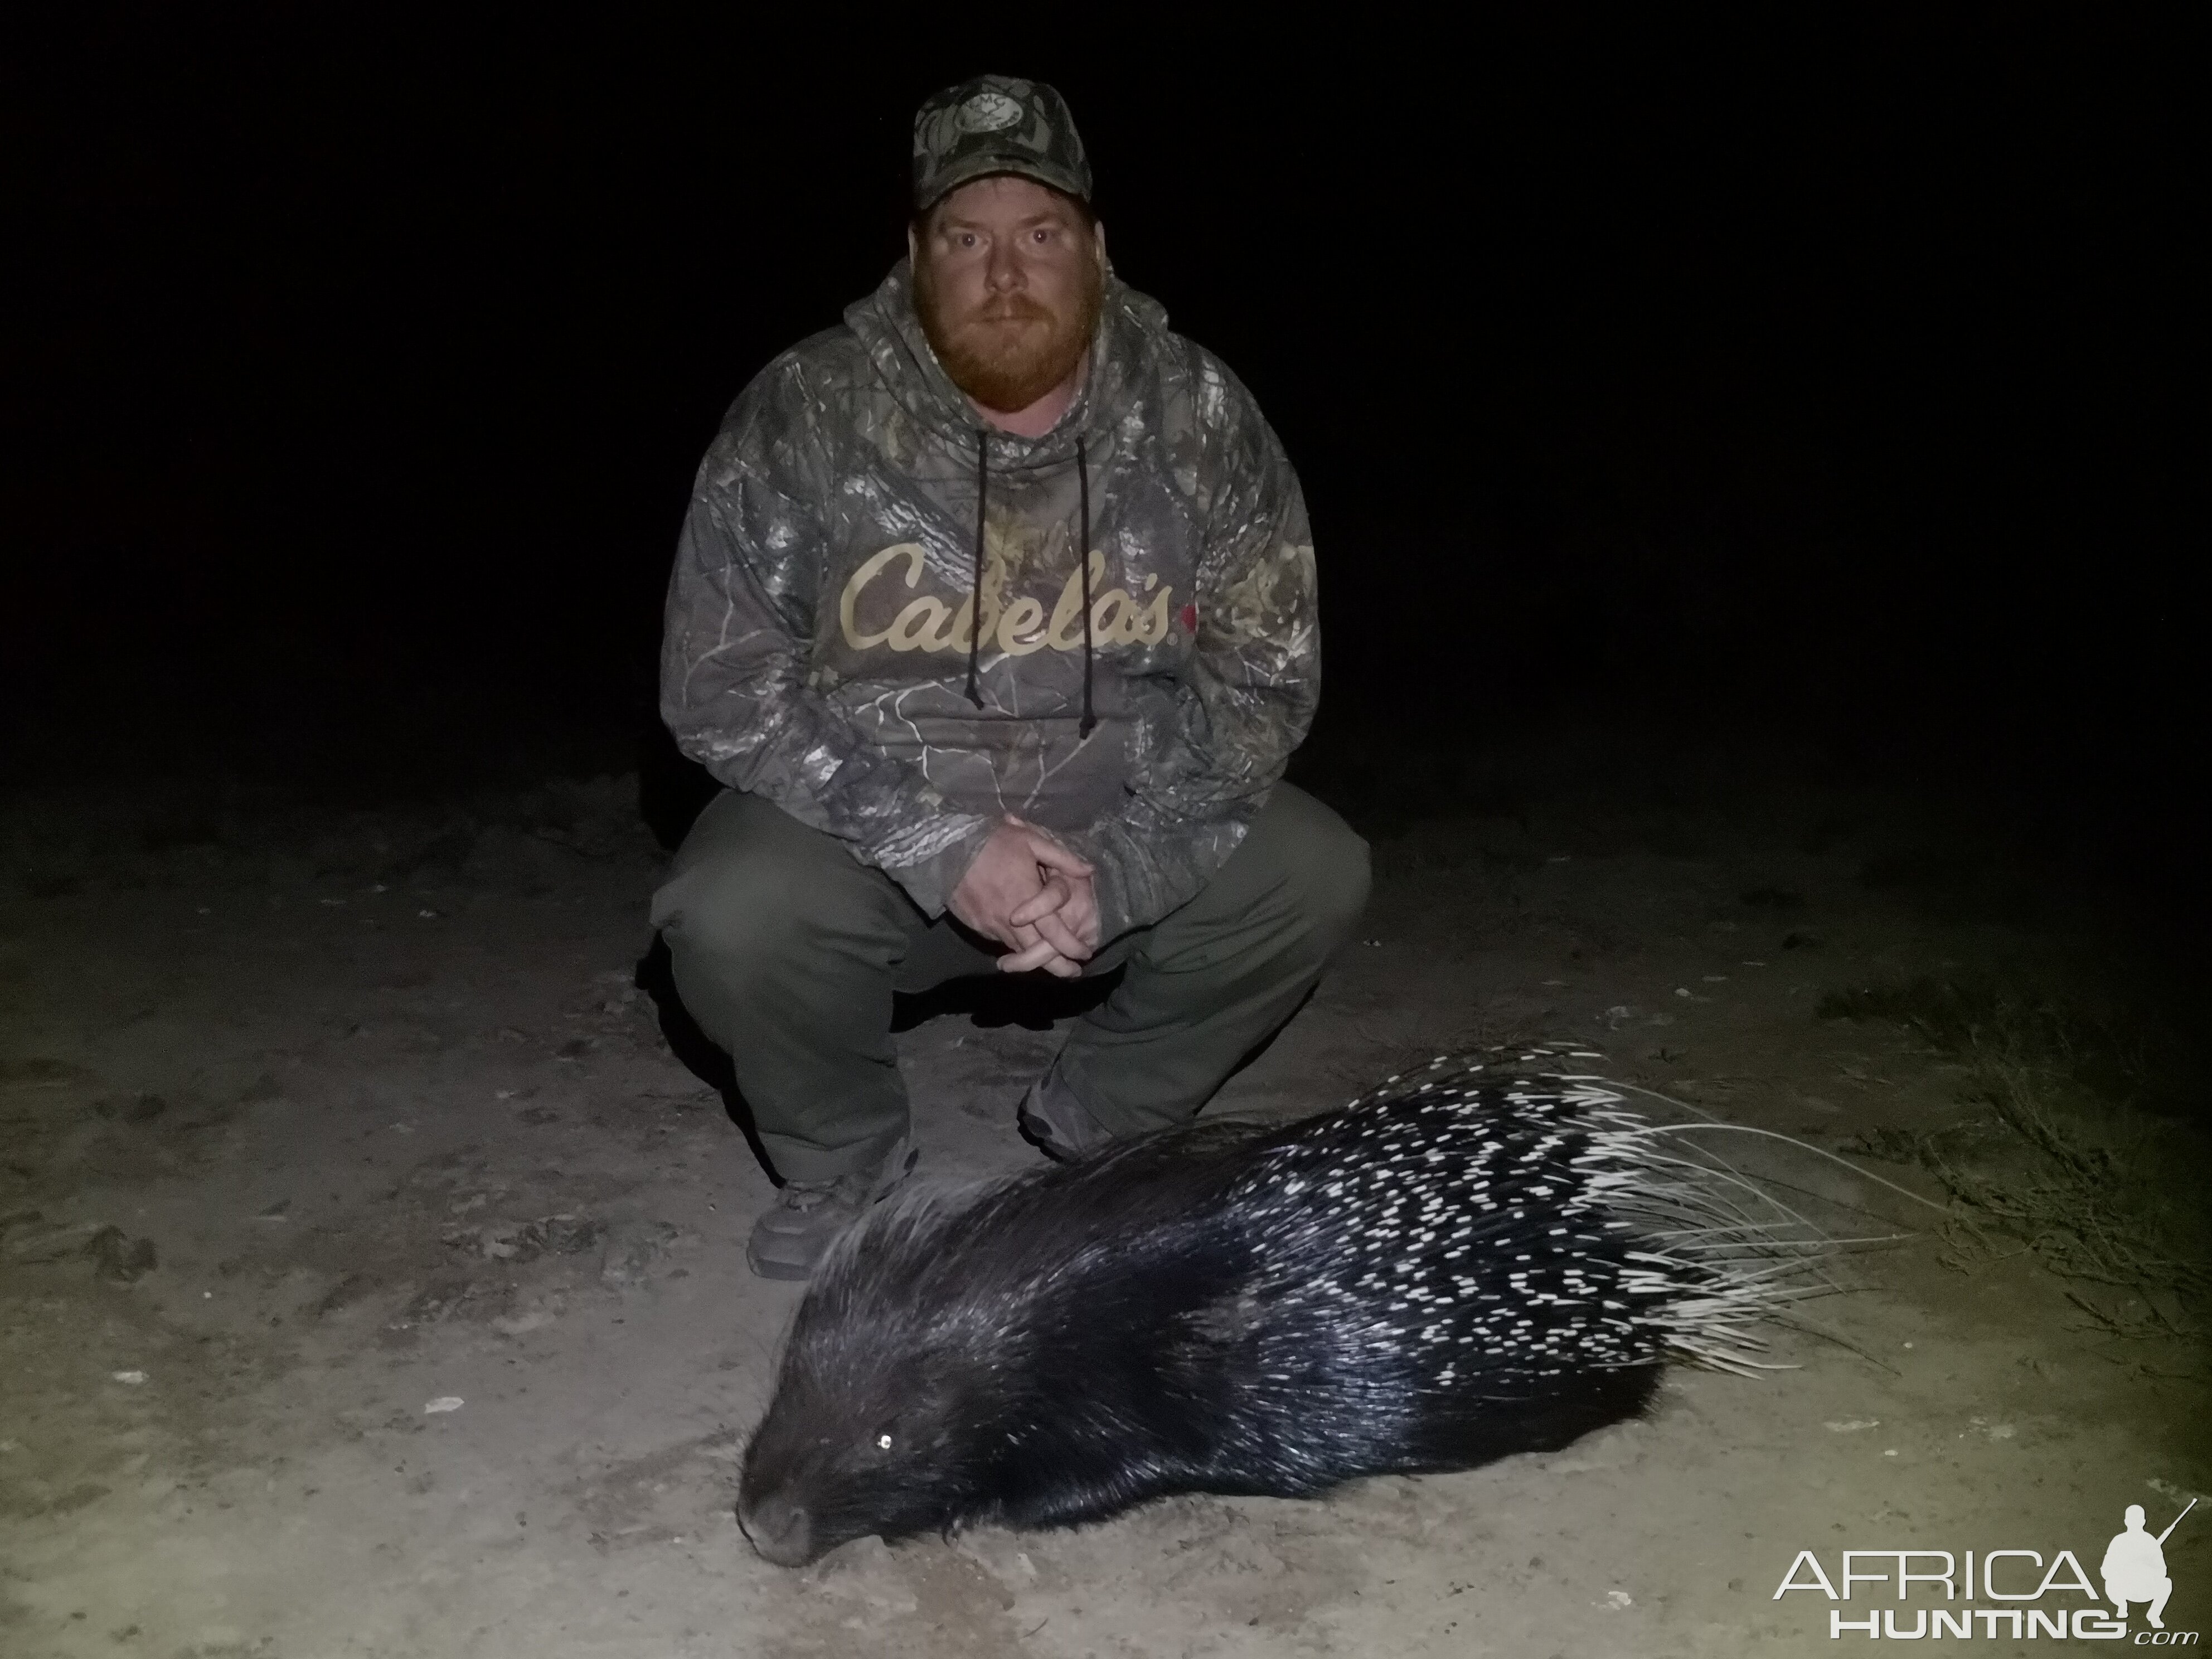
{"x":1090,"y":721}
{"x":976,"y":596}
{"x":1083,"y":505}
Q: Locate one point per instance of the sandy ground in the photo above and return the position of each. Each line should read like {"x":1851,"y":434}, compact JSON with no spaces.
{"x":313,"y":1129}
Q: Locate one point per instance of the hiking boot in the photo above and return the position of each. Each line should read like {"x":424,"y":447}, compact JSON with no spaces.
{"x":792,"y":1237}
{"x":1057,"y":1124}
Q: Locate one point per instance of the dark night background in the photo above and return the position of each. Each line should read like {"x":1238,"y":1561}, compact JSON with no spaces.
{"x":1812,"y":389}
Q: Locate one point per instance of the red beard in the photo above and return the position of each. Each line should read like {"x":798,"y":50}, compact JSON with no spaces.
{"x":1009,"y":352}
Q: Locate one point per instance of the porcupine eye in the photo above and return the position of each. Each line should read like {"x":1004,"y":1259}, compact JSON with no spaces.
{"x":883,"y":1439}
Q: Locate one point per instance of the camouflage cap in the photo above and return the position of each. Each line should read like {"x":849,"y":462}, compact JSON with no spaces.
{"x":995,"y":123}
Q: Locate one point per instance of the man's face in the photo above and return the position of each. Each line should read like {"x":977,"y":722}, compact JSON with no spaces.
{"x":1007,"y":281}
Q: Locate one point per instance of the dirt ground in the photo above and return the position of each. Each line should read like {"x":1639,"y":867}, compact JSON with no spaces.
{"x":372,"y":1274}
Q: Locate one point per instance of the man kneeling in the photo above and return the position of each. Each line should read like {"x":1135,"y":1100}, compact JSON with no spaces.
{"x":994,"y":611}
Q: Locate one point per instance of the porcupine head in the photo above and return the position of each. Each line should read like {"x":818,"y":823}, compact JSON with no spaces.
{"x":955,"y":1361}
{"x":877,"y":1406}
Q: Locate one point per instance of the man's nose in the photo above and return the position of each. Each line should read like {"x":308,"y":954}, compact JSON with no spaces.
{"x":1003,"y":269}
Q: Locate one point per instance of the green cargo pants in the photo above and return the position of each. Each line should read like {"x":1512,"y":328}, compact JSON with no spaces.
{"x":786,"y":951}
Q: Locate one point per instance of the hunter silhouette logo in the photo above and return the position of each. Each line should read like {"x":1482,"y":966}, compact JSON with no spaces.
{"x":2029,"y":1591}
{"x":2135,"y":1567}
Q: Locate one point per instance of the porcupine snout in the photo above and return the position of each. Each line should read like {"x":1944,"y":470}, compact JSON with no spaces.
{"x":779,"y":1529}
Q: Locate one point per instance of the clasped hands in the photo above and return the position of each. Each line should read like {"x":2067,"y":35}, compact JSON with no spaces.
{"x":1034,"y":897}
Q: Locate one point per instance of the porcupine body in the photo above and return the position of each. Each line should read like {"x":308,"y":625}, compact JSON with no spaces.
{"x":1459,"y":1265}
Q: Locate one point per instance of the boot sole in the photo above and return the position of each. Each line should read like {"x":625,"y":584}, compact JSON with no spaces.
{"x":1039,"y":1134}
{"x":784,"y":1270}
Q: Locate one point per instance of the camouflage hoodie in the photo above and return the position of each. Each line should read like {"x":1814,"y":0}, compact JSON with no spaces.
{"x":817,"y":642}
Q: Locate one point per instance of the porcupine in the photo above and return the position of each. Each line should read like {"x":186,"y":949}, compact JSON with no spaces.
{"x":1456,"y":1266}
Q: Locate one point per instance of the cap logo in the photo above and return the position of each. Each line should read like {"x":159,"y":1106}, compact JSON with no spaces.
{"x":988,"y":112}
